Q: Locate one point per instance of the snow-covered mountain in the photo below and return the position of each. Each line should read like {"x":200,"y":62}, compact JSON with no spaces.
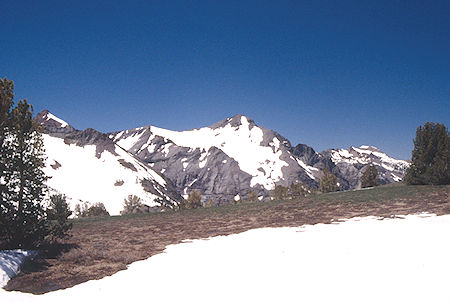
{"x":228,"y":159}
{"x":232,"y":157}
{"x":352,"y":163}
{"x":88,"y":166}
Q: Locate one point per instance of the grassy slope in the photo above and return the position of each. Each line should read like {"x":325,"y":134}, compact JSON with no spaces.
{"x":103,"y":246}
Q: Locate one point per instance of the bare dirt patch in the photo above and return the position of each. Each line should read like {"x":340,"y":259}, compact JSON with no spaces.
{"x":103,"y":246}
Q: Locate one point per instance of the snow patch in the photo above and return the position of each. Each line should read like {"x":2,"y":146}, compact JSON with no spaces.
{"x":57,"y":119}
{"x":307,"y":168}
{"x":10,"y":264}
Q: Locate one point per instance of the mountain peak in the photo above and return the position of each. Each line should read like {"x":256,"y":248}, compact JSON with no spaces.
{"x":369,"y":148}
{"x":235,"y":121}
{"x":52,"y":123}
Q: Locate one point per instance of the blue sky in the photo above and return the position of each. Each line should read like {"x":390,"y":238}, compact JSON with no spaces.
{"x":325,"y":73}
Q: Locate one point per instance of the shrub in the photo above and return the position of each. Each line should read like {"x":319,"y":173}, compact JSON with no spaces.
{"x":279,"y":192}
{"x":86,"y":210}
{"x":297,"y":190}
{"x":81,"y":209}
{"x":132,"y":205}
{"x":252,"y":196}
{"x":97,"y":209}
{"x":194,"y":200}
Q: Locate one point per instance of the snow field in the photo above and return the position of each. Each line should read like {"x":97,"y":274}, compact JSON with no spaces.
{"x":83,"y":176}
{"x":363,"y":259}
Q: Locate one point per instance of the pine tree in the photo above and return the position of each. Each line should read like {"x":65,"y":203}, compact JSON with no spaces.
{"x":430,"y":162}
{"x":6,"y":207}
{"x":297,"y":190}
{"x":369,"y":177}
{"x":194,"y":200}
{"x":279,"y":192}
{"x":97,"y":209}
{"x":58,"y":213}
{"x":25,"y":179}
{"x":328,"y":182}
{"x":131,"y":205}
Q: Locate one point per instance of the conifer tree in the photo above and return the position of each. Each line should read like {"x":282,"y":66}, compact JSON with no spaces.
{"x":194,"y":200}
{"x":369,"y":177}
{"x":58,"y":213}
{"x":328,"y":182}
{"x":6,"y":102}
{"x":297,"y":190}
{"x":430,"y":162}
{"x":25,"y":178}
{"x":279,"y":192}
{"x":131,"y":205}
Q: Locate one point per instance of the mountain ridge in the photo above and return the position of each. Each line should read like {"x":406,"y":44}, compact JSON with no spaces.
{"x":236,"y":156}
{"x":88,"y":166}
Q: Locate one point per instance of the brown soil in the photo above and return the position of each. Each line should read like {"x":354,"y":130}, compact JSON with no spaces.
{"x":101,"y":247}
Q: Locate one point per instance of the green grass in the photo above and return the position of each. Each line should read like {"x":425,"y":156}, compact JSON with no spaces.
{"x":383,"y":193}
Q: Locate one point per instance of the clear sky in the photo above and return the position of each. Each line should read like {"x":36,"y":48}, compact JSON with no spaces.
{"x":325,"y":73}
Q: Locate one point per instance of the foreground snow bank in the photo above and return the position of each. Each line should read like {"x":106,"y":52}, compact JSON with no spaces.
{"x":10,"y":263}
{"x":363,"y":259}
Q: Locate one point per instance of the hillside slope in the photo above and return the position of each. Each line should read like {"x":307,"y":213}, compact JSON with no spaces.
{"x":88,"y":166}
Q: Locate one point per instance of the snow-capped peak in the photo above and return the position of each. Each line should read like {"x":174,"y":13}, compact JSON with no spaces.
{"x":235,"y":121}
{"x":47,"y":116}
{"x":57,"y":119}
{"x":53,"y":124}
{"x":370,"y":148}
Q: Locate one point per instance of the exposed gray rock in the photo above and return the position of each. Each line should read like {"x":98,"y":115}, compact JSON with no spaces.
{"x":218,"y":175}
{"x":52,"y":125}
{"x":167,"y":195}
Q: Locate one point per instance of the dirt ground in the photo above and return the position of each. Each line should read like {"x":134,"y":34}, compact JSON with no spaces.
{"x":103,"y":246}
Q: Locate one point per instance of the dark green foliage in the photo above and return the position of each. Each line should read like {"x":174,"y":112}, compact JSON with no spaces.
{"x":58,"y":213}
{"x":23,"y":180}
{"x":252,"y":197}
{"x":81,"y":209}
{"x":328,"y":182}
{"x":86,"y":210}
{"x":369,"y":177}
{"x":6,"y":207}
{"x":97,"y":209}
{"x":132,"y":205}
{"x":297,"y":190}
{"x":430,"y":157}
{"x":194,"y":200}
{"x":294,"y":191}
{"x":279,"y":192}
